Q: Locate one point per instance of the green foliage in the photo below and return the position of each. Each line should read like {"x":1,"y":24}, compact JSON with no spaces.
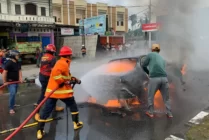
{"x":133,"y":19}
{"x":199,"y":132}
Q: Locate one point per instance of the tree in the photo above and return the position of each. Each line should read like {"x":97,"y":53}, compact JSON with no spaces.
{"x":133,"y":19}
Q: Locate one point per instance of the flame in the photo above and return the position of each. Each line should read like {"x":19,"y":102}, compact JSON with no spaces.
{"x":158,"y":101}
{"x":113,"y":103}
{"x":125,"y":65}
{"x":183,"y":69}
{"x":116,"y":103}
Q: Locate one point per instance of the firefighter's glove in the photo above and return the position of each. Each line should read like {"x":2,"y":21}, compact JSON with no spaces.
{"x":67,"y":82}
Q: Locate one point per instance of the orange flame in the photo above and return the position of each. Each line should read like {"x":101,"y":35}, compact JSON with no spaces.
{"x":116,"y":103}
{"x":183,"y":69}
{"x":158,"y":101}
{"x":121,"y":66}
{"x":113,"y":103}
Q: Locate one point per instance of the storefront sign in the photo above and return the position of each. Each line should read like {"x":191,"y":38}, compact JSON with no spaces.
{"x":150,"y":27}
{"x":67,"y":31}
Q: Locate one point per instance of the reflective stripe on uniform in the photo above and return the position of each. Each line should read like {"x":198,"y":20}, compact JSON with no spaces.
{"x":60,"y":91}
{"x":74,"y":113}
{"x":61,"y":76}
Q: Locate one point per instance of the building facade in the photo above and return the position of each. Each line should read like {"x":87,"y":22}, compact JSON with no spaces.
{"x":70,"y":12}
{"x":26,"y":21}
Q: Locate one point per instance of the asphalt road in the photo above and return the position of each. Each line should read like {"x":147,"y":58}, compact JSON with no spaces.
{"x":102,"y":126}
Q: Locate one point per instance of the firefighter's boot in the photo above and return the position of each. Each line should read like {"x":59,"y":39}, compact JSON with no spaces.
{"x":59,"y":109}
{"x":37,"y":117}
{"x":40,"y":134}
{"x":40,"y":130}
{"x":76,"y":123}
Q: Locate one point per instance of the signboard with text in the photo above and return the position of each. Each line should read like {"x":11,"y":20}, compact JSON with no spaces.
{"x":150,"y":27}
{"x":93,"y":25}
{"x":67,"y":31}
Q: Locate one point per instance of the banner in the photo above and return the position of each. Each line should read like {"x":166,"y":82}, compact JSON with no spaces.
{"x":93,"y":25}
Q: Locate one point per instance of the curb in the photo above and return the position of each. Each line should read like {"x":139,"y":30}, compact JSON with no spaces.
{"x":172,"y":137}
{"x":194,"y":121}
{"x":198,"y":118}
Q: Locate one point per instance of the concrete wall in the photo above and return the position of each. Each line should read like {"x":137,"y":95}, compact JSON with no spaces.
{"x":102,"y":6}
{"x":65,"y":12}
{"x":57,"y":12}
{"x":75,"y":42}
{"x":3,"y":6}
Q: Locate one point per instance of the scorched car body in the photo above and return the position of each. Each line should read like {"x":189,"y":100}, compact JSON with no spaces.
{"x":123,"y":78}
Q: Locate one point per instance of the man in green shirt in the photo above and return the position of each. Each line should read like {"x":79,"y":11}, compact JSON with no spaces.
{"x":157,"y":80}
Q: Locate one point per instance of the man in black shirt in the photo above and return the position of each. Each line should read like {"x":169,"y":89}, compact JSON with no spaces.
{"x":12,"y":72}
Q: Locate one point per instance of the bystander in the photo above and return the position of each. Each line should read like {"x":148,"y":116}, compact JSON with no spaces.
{"x":12,"y":72}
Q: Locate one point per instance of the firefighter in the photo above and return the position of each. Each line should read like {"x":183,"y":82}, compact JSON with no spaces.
{"x":60,"y":77}
{"x":83,"y":50}
{"x":157,"y":80}
{"x":47,"y":63}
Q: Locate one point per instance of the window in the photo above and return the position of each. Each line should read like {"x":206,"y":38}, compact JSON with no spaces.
{"x":30,"y":9}
{"x":102,"y":12}
{"x":80,"y":14}
{"x":55,"y":18}
{"x":0,"y":8}
{"x":77,"y":20}
{"x":120,"y":19}
{"x":121,"y":23}
{"x":17,"y":9}
{"x":118,"y":23}
{"x":43,"y":11}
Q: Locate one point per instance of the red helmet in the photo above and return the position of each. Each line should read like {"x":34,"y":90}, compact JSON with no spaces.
{"x":50,"y":48}
{"x":65,"y":50}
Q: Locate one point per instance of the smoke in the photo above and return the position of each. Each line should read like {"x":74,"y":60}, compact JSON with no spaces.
{"x":183,"y":35}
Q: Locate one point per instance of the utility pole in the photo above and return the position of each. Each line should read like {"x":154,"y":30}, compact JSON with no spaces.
{"x":150,"y":16}
{"x":83,"y":37}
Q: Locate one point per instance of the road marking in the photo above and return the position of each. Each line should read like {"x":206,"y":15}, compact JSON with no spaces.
{"x":172,"y":137}
{"x":198,"y":117}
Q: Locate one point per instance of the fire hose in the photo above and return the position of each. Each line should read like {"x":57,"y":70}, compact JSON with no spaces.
{"x":36,"y":109}
{"x":17,"y":82}
{"x":30,"y":125}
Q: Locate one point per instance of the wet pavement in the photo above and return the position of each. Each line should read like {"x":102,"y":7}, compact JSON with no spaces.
{"x":99,"y":126}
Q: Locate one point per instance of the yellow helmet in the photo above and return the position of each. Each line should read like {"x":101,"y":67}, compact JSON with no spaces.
{"x":155,"y":47}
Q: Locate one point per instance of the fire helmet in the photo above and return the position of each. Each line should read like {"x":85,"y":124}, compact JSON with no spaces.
{"x":155,"y":47}
{"x":65,"y":51}
{"x":50,"y":48}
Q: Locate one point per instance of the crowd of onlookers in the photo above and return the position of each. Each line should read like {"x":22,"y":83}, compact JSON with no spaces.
{"x":116,"y":49}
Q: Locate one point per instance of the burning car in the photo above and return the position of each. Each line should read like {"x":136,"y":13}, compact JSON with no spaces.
{"x":122,"y":79}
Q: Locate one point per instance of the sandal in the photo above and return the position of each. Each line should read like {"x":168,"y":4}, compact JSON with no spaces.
{"x":12,"y":111}
{"x":16,"y":105}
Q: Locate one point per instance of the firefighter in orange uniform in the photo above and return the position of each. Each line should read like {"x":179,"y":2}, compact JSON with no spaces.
{"x":60,"y":75}
{"x":48,"y":61}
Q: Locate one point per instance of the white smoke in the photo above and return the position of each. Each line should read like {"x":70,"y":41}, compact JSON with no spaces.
{"x":184,"y":38}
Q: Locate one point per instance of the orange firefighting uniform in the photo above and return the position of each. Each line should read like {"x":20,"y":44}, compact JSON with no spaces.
{"x":59,"y":75}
